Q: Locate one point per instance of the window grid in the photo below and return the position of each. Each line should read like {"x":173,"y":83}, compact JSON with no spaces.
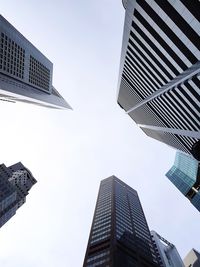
{"x":12,"y":57}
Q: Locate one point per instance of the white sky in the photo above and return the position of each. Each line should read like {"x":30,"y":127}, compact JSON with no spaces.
{"x":69,"y":152}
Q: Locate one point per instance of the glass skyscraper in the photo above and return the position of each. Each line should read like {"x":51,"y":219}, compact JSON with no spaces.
{"x":159,"y":76}
{"x":15,"y":182}
{"x":185,"y":175}
{"x":119,"y":235}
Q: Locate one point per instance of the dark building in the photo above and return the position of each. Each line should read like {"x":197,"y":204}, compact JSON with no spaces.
{"x":15,"y":182}
{"x":185,"y":175}
{"x":119,"y":235}
{"x":25,"y":73}
{"x":159,"y":77}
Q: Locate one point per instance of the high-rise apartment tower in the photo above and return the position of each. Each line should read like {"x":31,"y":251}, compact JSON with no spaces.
{"x":167,"y":252}
{"x":185,"y":175}
{"x":119,"y":235}
{"x":25,"y":73}
{"x":159,"y":76}
{"x":15,"y":182}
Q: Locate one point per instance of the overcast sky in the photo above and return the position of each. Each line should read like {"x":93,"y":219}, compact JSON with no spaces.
{"x":69,"y":152}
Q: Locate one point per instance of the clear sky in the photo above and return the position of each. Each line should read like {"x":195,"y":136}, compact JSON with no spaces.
{"x":69,"y":152}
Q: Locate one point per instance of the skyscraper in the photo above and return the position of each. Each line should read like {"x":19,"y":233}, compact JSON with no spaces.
{"x":15,"y":182}
{"x":25,"y":73}
{"x":167,"y":252}
{"x":192,"y":259}
{"x":185,"y":175}
{"x":159,"y":76}
{"x":119,"y":235}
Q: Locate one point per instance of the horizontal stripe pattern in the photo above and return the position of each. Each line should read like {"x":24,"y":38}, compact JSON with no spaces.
{"x":163,"y":43}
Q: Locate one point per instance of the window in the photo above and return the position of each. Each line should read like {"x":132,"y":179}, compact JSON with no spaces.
{"x":39,"y":75}
{"x":12,"y":57}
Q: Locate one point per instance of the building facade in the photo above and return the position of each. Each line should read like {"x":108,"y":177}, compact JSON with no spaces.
{"x":167,"y":252}
{"x":25,"y":73}
{"x":15,"y":182}
{"x":185,"y":175}
{"x":119,"y":235}
{"x":159,"y":76}
{"x":192,"y":259}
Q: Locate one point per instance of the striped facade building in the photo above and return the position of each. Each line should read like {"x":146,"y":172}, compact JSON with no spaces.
{"x":159,"y":77}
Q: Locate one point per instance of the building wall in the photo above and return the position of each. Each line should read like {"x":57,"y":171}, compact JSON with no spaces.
{"x":184,"y":174}
{"x":168,"y":253}
{"x":159,"y":77}
{"x":15,"y":182}
{"x":119,"y":234}
{"x":25,"y":73}
{"x":192,"y":259}
{"x":21,"y":60}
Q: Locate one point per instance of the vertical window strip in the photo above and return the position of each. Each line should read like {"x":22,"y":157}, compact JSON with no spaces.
{"x":136,"y":59}
{"x":197,"y":114}
{"x":180,"y":26}
{"x":166,"y":33}
{"x":171,"y":113}
{"x":147,"y":62}
{"x":184,"y":112}
{"x":175,"y":105}
{"x":146,"y":50}
{"x":141,"y":78}
{"x":144,"y":89}
{"x":144,"y":76}
{"x":195,"y":84}
{"x":193,"y":9}
{"x":157,"y":42}
{"x":152,"y":44}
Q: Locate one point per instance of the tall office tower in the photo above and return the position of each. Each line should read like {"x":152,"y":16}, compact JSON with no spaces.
{"x":167,"y":252}
{"x":25,"y":73}
{"x":159,"y":76}
{"x":119,"y":236}
{"x":185,"y":175}
{"x":192,"y":259}
{"x":15,"y":182}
